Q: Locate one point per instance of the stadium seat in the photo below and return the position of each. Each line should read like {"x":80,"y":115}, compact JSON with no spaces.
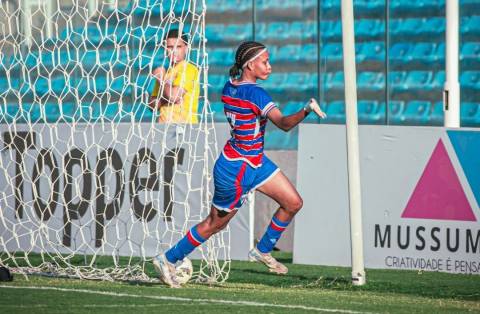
{"x":221,"y":56}
{"x":470,"y":25}
{"x":335,"y":81}
{"x":277,"y":30}
{"x":371,"y":51}
{"x":470,"y":114}
{"x":336,"y":111}
{"x":276,"y":139}
{"x":416,"y":112}
{"x":437,"y":115}
{"x":424,"y":53}
{"x":406,"y":28}
{"x":397,"y":80}
{"x":395,"y":112}
{"x":371,"y":81}
{"x":433,"y":26}
{"x":298,"y":81}
{"x":330,"y":30}
{"x":332,"y":52}
{"x":400,"y":53}
{"x":369,"y":28}
{"x":418,"y":81}
{"x":291,"y":107}
{"x":470,"y":80}
{"x":277,"y":82}
{"x":310,"y":53}
{"x":439,"y":80}
{"x":238,"y":32}
{"x":217,"y":111}
{"x":470,"y":53}
{"x":289,"y":53}
{"x":368,"y":112}
{"x":67,"y":112}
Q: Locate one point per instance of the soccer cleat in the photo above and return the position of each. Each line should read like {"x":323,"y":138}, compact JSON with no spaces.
{"x":273,"y":265}
{"x":166,"y":271}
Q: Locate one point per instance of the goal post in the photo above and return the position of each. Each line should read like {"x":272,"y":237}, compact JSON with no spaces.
{"x":353,"y":159}
{"x":91,"y":184}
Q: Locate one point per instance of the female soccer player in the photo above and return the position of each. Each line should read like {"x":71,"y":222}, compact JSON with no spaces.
{"x":243,"y":165}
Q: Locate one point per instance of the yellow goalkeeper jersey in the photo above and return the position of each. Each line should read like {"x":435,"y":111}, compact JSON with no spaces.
{"x":184,"y":75}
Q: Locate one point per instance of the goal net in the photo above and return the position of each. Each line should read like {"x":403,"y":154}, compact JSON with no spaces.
{"x":92,"y":185}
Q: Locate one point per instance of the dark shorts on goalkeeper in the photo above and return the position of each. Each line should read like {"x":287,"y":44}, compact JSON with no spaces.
{"x":234,"y":179}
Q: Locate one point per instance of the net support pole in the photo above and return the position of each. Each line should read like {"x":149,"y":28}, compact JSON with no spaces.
{"x":48,"y":17}
{"x":92,"y":7}
{"x":25,"y":21}
{"x":355,"y":200}
{"x":251,"y":220}
{"x":451,"y":92}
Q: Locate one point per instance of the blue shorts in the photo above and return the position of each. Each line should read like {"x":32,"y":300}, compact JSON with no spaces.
{"x":233,"y":180}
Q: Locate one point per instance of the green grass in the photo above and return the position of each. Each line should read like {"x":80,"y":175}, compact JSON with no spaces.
{"x":306,"y":288}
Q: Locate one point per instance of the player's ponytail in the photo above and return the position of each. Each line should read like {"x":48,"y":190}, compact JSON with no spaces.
{"x":234,"y":70}
{"x":245,"y":52}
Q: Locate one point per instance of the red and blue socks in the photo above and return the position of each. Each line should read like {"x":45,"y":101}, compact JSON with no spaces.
{"x":185,"y":246}
{"x":271,"y":236}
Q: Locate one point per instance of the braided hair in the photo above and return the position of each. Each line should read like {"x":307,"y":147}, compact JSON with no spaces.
{"x":245,"y":52}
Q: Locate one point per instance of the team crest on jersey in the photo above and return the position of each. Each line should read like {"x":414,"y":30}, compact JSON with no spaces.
{"x":232,"y":91}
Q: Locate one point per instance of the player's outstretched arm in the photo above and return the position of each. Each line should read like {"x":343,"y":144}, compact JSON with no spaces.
{"x":286,"y":123}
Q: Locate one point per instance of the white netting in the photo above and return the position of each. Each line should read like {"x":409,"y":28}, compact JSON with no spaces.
{"x":91,"y":185}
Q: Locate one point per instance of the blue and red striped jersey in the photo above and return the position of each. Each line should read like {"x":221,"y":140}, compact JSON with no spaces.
{"x":246,"y":106}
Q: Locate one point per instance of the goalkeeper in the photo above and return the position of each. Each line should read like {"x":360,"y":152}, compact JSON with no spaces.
{"x":176,"y":89}
{"x":242,"y":166}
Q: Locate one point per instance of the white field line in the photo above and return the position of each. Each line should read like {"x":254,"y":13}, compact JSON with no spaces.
{"x":181,"y":299}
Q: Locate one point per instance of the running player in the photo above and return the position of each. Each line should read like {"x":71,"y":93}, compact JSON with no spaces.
{"x":243,"y":165}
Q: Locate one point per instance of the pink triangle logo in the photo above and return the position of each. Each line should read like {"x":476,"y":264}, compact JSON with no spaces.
{"x":439,"y":193}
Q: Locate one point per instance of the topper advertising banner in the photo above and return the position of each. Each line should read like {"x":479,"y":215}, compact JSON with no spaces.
{"x":125,"y":188}
{"x":420,"y":198}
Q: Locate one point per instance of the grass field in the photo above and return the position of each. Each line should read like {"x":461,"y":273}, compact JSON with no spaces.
{"x":251,"y":289}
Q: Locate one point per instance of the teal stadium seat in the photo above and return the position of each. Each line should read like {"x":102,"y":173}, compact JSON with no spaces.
{"x":418,"y":81}
{"x":400,"y":53}
{"x":438,"y":80}
{"x":396,"y":80}
{"x":336,"y":112}
{"x":437,"y":115}
{"x":221,"y":56}
{"x":424,"y":53}
{"x":335,"y":81}
{"x":299,"y":81}
{"x":369,"y":28}
{"x":470,"y":53}
{"x":368,"y":112}
{"x":470,"y":114}
{"x":238,"y":32}
{"x":332,"y":52}
{"x":470,"y":80}
{"x":141,"y":112}
{"x":277,"y":82}
{"x":371,"y":51}
{"x":217,"y":111}
{"x":310,"y":52}
{"x":371,"y":81}
{"x":470,"y":25}
{"x":396,"y":109}
{"x":417,"y":112}
{"x":331,"y":30}
{"x":289,"y":53}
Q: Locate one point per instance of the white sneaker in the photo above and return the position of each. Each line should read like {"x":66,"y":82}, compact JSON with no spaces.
{"x":273,"y":265}
{"x":166,"y":271}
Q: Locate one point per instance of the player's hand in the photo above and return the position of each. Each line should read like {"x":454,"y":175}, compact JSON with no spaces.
{"x":312,"y":105}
